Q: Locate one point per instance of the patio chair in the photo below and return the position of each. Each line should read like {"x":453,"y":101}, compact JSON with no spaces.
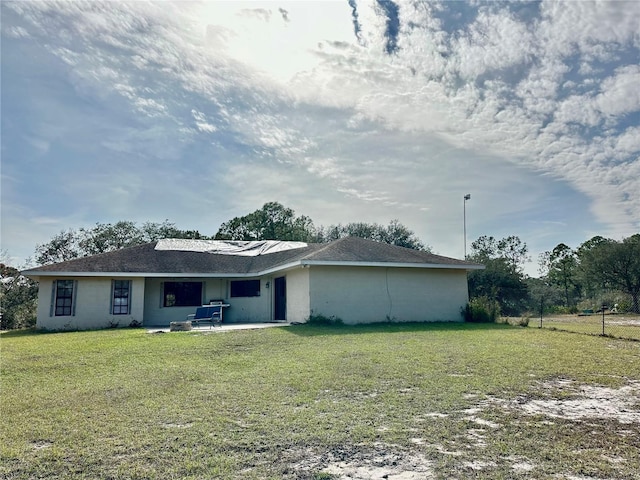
{"x":211,"y":314}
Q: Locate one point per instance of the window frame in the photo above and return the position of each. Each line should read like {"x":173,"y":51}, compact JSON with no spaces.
{"x":244,"y":288}
{"x":190,"y":301}
{"x":63,"y":305}
{"x":118,"y":291}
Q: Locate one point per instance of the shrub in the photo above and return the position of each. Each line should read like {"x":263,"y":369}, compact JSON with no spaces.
{"x":319,"y":319}
{"x":18,"y":299}
{"x":481,"y":310}
{"x":624,"y":306}
{"x":519,"y":321}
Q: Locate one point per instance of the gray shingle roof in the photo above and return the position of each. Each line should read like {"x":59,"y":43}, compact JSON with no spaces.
{"x":144,"y":259}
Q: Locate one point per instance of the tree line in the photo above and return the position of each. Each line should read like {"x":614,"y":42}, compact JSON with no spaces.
{"x":272,"y":222}
{"x":599,"y":270}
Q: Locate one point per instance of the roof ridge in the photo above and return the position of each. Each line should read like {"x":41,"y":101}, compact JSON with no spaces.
{"x":323,"y":248}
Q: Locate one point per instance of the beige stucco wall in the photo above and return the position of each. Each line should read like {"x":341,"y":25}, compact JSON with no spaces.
{"x":252,"y":309}
{"x":249,"y":309}
{"x":378,"y":294}
{"x":298,"y":301}
{"x":92,"y":305}
{"x":354,"y":294}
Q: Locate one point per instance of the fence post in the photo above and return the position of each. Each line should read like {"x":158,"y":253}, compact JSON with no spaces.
{"x":541,"y":309}
{"x":603,"y":307}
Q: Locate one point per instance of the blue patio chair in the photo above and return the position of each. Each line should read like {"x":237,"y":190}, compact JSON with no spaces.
{"x":211,"y":314}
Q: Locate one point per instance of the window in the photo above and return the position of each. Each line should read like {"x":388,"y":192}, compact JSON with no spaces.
{"x":182,"y":294}
{"x":63,"y":298}
{"x":245,"y":288}
{"x":120,"y":299}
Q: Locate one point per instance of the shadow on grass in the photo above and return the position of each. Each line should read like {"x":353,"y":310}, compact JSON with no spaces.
{"x":29,"y":332}
{"x":395,"y":327}
{"x":311,"y":330}
{"x":23,"y":332}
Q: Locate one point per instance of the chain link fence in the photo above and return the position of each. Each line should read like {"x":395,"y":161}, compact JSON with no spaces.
{"x":603,"y":322}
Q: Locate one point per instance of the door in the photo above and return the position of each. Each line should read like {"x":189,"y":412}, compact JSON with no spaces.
{"x":280,"y":298}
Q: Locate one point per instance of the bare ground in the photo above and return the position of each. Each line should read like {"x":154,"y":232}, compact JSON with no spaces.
{"x":556,"y":399}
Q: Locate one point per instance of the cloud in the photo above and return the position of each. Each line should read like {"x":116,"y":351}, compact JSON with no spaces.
{"x":391,"y":108}
{"x":620,"y":94}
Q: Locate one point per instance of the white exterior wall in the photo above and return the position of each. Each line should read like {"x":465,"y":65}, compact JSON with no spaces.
{"x":298,"y":301}
{"x":354,"y":294}
{"x":378,"y":294}
{"x":157,"y":314}
{"x":92,"y":299}
{"x":242,"y":309}
{"x":252,"y":309}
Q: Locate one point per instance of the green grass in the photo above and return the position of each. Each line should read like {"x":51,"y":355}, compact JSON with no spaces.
{"x":620,"y":326}
{"x":287,"y":402}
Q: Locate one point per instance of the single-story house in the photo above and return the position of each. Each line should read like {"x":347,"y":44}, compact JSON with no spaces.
{"x":353,"y":279}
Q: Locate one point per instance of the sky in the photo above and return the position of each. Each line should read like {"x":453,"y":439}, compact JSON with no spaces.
{"x":344,"y":111}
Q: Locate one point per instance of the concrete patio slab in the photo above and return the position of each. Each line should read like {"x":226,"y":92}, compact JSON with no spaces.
{"x":225,"y":327}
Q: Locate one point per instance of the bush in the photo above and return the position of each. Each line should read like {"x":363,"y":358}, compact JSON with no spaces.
{"x":522,"y":321}
{"x":481,"y":310}
{"x":319,"y":319}
{"x":18,"y":299}
{"x":625,"y":306}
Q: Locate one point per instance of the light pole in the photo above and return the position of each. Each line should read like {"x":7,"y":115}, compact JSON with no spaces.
{"x":464,"y":213}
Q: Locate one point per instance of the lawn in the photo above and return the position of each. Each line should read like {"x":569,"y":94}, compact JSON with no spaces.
{"x":413,"y":401}
{"x":618,"y":325}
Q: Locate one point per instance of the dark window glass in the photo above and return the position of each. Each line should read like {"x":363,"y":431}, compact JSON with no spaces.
{"x":121,"y":297}
{"x":64,"y":297}
{"x":245,"y":288}
{"x":182,"y":294}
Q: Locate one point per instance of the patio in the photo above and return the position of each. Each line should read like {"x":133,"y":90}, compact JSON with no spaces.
{"x":225,"y":327}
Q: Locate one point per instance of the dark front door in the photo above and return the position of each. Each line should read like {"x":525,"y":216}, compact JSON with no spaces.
{"x":280,"y":298}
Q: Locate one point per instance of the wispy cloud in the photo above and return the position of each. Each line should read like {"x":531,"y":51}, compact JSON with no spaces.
{"x":344,"y":111}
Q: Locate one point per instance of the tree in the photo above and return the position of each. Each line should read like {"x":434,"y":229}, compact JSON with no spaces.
{"x":544,"y":264}
{"x":616,"y":265}
{"x":105,"y":237}
{"x":272,"y":222}
{"x":394,"y":234}
{"x":563,"y":265}
{"x":502,"y":279}
{"x":591,"y":285}
{"x":515,"y":251}
{"x":484,"y":248}
{"x":62,"y":247}
{"x":501,"y":282}
{"x":18,"y":297}
{"x":152,"y":231}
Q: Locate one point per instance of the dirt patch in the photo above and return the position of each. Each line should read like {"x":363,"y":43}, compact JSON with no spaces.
{"x":382,"y":461}
{"x":583,"y":401}
{"x":559,"y":398}
{"x":39,"y":445}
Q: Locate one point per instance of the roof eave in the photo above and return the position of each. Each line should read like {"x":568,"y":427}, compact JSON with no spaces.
{"x":449,"y":266}
{"x":31,"y":274}
{"x":267,"y":271}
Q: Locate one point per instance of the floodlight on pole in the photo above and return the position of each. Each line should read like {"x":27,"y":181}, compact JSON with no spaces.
{"x":464,"y":221}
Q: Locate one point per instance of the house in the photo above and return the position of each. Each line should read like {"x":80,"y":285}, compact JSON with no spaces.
{"x":356,"y":280}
